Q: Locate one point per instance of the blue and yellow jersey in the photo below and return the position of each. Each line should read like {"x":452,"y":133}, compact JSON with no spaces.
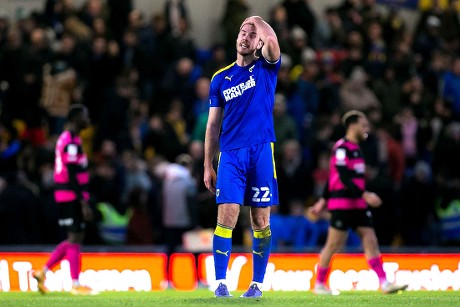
{"x":246,"y":95}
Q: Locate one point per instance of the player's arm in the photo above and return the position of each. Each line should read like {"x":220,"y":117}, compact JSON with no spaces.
{"x":345,"y":178}
{"x":319,"y":206}
{"x":271,"y":48}
{"x":369,"y":197}
{"x":210,"y":146}
{"x":344,"y":174}
{"x":71,"y":161}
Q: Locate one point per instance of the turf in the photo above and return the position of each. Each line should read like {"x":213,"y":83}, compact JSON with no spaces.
{"x":205,"y":298}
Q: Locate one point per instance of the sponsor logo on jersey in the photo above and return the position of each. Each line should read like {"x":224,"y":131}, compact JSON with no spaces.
{"x":238,"y":90}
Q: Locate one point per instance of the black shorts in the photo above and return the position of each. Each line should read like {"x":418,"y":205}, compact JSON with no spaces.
{"x":71,"y":216}
{"x":346,"y":219}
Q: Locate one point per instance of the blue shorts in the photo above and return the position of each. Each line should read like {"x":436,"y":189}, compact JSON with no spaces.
{"x":247,"y":176}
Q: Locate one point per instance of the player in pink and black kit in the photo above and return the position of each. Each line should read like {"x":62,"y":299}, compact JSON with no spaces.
{"x":71,"y":180}
{"x":347,"y":200}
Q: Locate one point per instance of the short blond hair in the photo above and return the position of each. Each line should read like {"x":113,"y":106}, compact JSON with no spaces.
{"x":352,"y":117}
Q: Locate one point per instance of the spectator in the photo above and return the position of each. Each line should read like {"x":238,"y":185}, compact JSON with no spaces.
{"x":451,"y":87}
{"x":379,"y":181}
{"x":329,"y":32}
{"x":218,"y":60}
{"x":182,"y":44}
{"x":136,"y":178}
{"x":104,"y":65}
{"x":139,"y":226}
{"x":285,"y":127}
{"x":178,"y":199}
{"x":388,"y":92}
{"x":59,"y":84}
{"x":162,"y":139}
{"x":91,"y":10}
{"x":445,"y":163}
{"x":408,"y":128}
{"x":179,"y":82}
{"x":201,"y":104}
{"x":300,"y":14}
{"x":176,"y":14}
{"x":108,"y":180}
{"x":355,"y":95}
{"x":294,"y":178}
{"x":391,"y":155}
{"x":417,"y":204}
{"x":376,"y":51}
{"x":234,"y":14}
{"x":118,"y":16}
{"x":19,"y":209}
{"x":279,"y":23}
{"x":297,"y":44}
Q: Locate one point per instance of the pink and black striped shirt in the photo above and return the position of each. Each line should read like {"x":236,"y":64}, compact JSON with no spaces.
{"x":346,"y":182}
{"x":71,"y":176}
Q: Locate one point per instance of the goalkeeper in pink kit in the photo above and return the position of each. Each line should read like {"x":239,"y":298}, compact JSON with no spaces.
{"x":346,"y":198}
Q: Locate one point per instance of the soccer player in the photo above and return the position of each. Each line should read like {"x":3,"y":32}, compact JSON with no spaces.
{"x":241,"y":119}
{"x":71,"y":179}
{"x":347,"y":200}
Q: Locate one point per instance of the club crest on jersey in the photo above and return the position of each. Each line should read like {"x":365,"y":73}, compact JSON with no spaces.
{"x":238,"y":90}
{"x":360,"y":168}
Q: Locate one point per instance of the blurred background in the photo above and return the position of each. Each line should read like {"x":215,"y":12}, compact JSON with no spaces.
{"x":143,"y":69}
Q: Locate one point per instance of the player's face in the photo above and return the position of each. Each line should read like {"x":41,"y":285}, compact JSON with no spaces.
{"x":362,"y":129}
{"x":248,"y":40}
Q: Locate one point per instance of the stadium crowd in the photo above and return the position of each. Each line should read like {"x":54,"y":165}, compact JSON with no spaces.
{"x":146,"y":86}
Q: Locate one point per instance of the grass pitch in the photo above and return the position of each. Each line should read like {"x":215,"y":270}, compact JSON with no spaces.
{"x":205,"y":298}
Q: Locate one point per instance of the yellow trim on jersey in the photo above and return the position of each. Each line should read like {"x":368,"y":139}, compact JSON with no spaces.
{"x":262,"y":233}
{"x":273,"y":160}
{"x":222,"y":69}
{"x":223,"y":232}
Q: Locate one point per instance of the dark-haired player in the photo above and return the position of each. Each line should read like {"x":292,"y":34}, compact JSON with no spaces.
{"x":347,"y":200}
{"x":71,"y":180}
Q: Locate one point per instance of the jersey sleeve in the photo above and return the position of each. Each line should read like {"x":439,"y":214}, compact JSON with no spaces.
{"x":272,"y":65}
{"x":215,"y":99}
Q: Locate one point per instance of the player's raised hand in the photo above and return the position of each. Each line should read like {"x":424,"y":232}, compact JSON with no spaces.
{"x":252,"y":19}
{"x":210,"y":179}
{"x":372,"y":199}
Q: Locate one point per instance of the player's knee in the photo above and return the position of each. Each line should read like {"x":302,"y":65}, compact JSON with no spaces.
{"x":260,"y":222}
